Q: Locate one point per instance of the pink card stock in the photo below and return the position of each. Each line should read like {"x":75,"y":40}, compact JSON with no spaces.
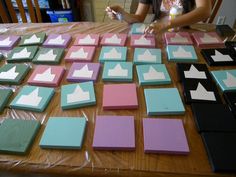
{"x":44,"y":75}
{"x":112,"y":39}
{"x":114,"y":133}
{"x":87,"y":39}
{"x":207,"y":40}
{"x":80,"y":53}
{"x":120,"y":96}
{"x":182,"y":38}
{"x":138,"y":40}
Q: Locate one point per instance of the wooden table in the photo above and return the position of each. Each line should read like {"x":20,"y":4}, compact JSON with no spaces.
{"x":87,"y":162}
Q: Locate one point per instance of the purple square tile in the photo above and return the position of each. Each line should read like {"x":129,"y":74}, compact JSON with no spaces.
{"x":8,"y":42}
{"x":164,"y":136}
{"x":114,"y":133}
{"x":57,"y":40}
{"x":83,"y":72}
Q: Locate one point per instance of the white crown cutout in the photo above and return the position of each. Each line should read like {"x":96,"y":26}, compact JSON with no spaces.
{"x":234,"y":48}
{"x":86,"y":40}
{"x":194,"y":73}
{"x":208,"y":39}
{"x":79,"y":54}
{"x":181,"y":53}
{"x":113,"y":40}
{"x":32,"y":39}
{"x":5,"y":42}
{"x":178,"y":38}
{"x":118,"y":71}
{"x":112,"y":54}
{"x":140,"y":28}
{"x":83,"y":72}
{"x":153,"y":74}
{"x":202,"y":94}
{"x":56,"y":41}
{"x":32,"y":99}
{"x":142,"y":41}
{"x":147,"y":56}
{"x":22,"y":54}
{"x":78,"y":95}
{"x":10,"y":74}
{"x":218,"y":57}
{"x":48,"y":56}
{"x":230,"y":80}
{"x":46,"y":76}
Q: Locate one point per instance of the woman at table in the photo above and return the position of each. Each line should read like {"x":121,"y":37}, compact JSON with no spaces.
{"x":193,"y":11}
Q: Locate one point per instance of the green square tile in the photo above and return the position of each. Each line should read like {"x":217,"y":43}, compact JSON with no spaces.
{"x":4,"y":97}
{"x":33,"y":39}
{"x":22,"y":54}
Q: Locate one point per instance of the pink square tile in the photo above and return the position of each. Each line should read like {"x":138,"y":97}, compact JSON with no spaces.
{"x":87,"y":39}
{"x":114,"y":133}
{"x":207,"y":40}
{"x":80,"y":54}
{"x":120,"y":96}
{"x":183,"y":38}
{"x":44,"y":75}
{"x":113,"y":39}
{"x":138,"y":40}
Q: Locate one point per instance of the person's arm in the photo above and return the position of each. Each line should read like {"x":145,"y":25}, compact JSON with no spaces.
{"x":139,"y":15}
{"x":200,"y":13}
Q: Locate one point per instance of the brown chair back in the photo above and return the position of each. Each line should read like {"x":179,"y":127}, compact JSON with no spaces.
{"x":215,"y":7}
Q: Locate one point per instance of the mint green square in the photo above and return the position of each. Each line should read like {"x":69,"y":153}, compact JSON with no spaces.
{"x":31,"y":49}
{"x":4,"y":98}
{"x":64,"y":133}
{"x":42,"y":37}
{"x":154,"y":56}
{"x":126,"y":66}
{"x":163,"y":101}
{"x":107,"y":49}
{"x":17,"y":136}
{"x":187,"y":48}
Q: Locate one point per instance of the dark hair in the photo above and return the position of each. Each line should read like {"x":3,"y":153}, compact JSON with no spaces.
{"x":188,"y":5}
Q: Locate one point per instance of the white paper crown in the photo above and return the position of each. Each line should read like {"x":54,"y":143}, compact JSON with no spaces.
{"x":113,"y":40}
{"x":79,"y":54}
{"x":46,"y":76}
{"x":181,"y":53}
{"x":32,"y":99}
{"x":32,"y":39}
{"x":112,"y":54}
{"x":202,"y":94}
{"x":194,"y":73}
{"x":5,"y":42}
{"x":230,"y":80}
{"x":10,"y":74}
{"x":153,"y":74}
{"x":56,"y":41}
{"x":140,"y":28}
{"x":83,"y":72}
{"x":178,"y":39}
{"x":147,"y":56}
{"x":142,"y":41}
{"x":219,"y":57}
{"x":49,"y":56}
{"x":78,"y":95}
{"x":86,"y":40}
{"x":118,"y":71}
{"x":208,"y":39}
{"x":22,"y":54}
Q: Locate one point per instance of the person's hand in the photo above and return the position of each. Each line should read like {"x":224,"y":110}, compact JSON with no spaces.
{"x":113,"y":11}
{"x":157,"y":27}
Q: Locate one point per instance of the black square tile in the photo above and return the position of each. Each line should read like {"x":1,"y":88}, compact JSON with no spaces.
{"x":230,"y":98}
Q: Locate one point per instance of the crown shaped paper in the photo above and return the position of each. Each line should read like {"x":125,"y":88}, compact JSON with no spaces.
{"x":118,"y":71}
{"x":140,"y":28}
{"x":194,"y":73}
{"x":87,"y":40}
{"x":46,"y":76}
{"x":32,"y":39}
{"x":178,"y":39}
{"x":142,"y":41}
{"x":220,"y":57}
{"x":5,"y":42}
{"x":32,"y":99}
{"x":10,"y":74}
{"x":153,"y":74}
{"x":230,"y":80}
{"x":147,"y":56}
{"x":83,"y":72}
{"x":78,"y":95}
{"x":22,"y":54}
{"x":56,"y":41}
{"x":113,"y":40}
{"x":49,"y":56}
{"x":208,"y":39}
{"x":113,"y":53}
{"x":202,"y":94}
{"x":181,"y":53}
{"x":79,"y":54}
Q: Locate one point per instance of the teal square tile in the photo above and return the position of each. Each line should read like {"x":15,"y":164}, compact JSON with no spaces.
{"x":153,"y":74}
{"x":13,"y":74}
{"x":33,"y":39}
{"x":118,"y":71}
{"x":17,"y":136}
{"x":147,"y":56}
{"x":22,"y":54}
{"x":163,"y":101}
{"x":181,"y":53}
{"x":226,"y":79}
{"x":138,"y":28}
{"x":64,"y":133}
{"x":77,"y":95}
{"x":109,"y":53}
{"x":48,"y":56}
{"x":4,"y":98}
{"x":32,"y":98}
